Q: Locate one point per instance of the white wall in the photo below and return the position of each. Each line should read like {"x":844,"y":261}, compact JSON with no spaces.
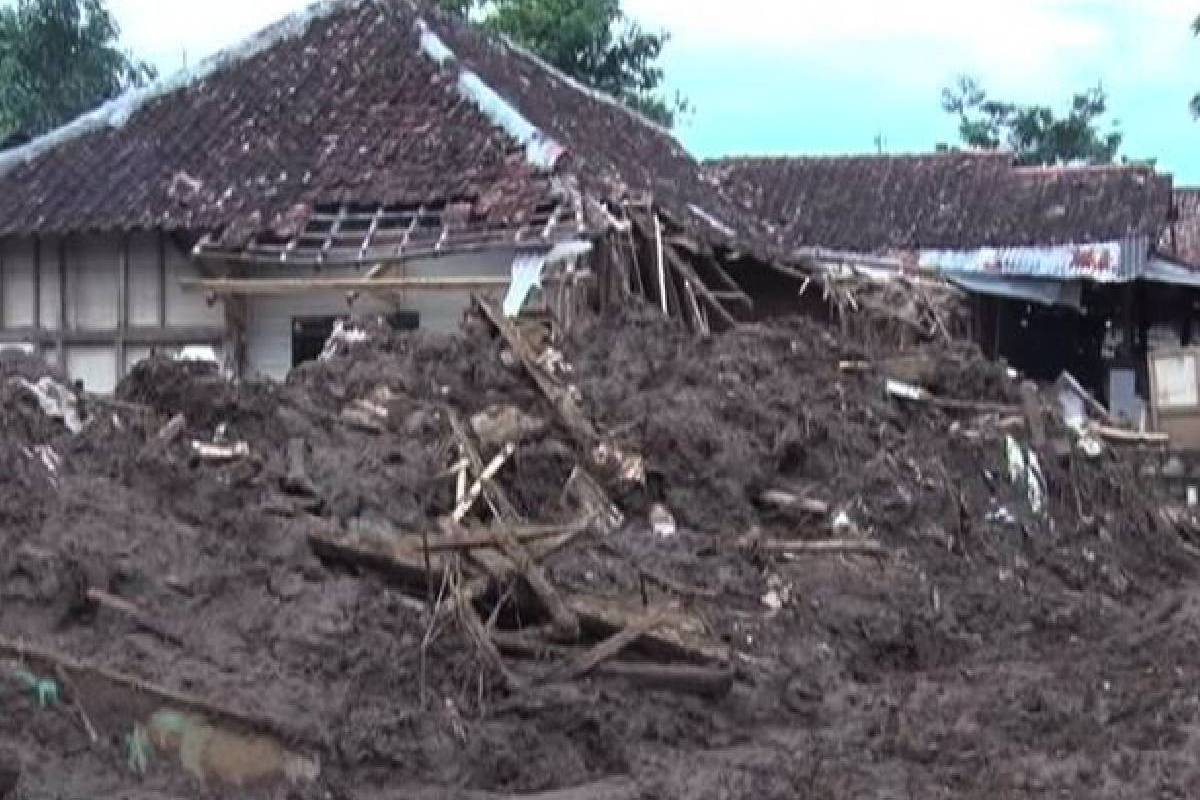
{"x":269,"y":323}
{"x":93,"y":265}
{"x":18,"y":283}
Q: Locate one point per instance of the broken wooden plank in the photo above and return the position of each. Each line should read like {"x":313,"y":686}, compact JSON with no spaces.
{"x":1124,"y":436}
{"x":1032,"y":406}
{"x":489,"y":472}
{"x":678,"y":636}
{"x":496,"y":499}
{"x":296,"y":481}
{"x":831,"y":546}
{"x":779,"y":498}
{"x":565,"y":621}
{"x":611,"y":647}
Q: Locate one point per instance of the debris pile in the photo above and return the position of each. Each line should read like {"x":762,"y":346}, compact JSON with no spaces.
{"x":621,"y":562}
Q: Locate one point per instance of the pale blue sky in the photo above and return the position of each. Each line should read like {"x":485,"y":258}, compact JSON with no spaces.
{"x":822,"y":76}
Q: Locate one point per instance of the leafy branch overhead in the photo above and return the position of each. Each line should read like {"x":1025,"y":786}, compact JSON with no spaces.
{"x":590,"y":40}
{"x":1036,"y":134}
{"x":59,"y":59}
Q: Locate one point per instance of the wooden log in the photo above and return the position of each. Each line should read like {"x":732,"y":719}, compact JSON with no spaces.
{"x":399,"y":561}
{"x":134,"y":615}
{"x":612,"y":646}
{"x":787,"y":500}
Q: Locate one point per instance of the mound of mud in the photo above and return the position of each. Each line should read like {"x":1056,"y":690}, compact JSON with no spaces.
{"x":860,"y":596}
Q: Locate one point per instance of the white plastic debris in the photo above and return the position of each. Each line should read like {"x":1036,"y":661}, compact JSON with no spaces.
{"x":55,"y":400}
{"x":1016,"y":459}
{"x":773,"y":600}
{"x":1193,"y":497}
{"x":198,"y":352}
{"x":904,"y":390}
{"x":662,"y":521}
{"x":217,"y":452}
{"x":526,"y":276}
{"x":1001,"y":515}
{"x":841,"y":521}
{"x":343,"y":334}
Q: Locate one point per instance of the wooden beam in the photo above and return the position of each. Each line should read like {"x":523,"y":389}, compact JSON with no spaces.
{"x":283,"y":286}
{"x":206,"y":334}
{"x":37,"y":282}
{"x":688,"y":274}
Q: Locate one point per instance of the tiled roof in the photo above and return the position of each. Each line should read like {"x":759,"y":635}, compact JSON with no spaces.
{"x":1182,"y":241}
{"x":946,"y":200}
{"x":355,"y":110}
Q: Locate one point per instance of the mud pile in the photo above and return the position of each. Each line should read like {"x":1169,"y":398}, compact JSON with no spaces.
{"x":826,"y":589}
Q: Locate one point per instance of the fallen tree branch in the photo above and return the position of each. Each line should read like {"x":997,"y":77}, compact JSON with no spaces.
{"x":1128,"y":437}
{"x":489,"y":472}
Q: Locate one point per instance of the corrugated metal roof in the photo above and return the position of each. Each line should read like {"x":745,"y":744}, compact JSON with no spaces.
{"x":1103,"y":262}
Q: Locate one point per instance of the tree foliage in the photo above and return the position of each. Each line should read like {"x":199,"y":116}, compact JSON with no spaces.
{"x":59,"y":59}
{"x":1036,"y":134}
{"x":590,"y":40}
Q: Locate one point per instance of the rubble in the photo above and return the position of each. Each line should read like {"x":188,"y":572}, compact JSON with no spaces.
{"x":653,"y":565}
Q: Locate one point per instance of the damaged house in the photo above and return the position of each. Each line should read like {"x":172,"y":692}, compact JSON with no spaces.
{"x":1083,"y":269}
{"x":363,"y":157}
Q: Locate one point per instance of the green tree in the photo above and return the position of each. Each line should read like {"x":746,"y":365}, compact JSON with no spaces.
{"x":590,"y":40}
{"x":1036,"y":134}
{"x":59,"y":59}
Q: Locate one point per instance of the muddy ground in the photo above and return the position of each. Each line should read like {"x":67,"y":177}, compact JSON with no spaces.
{"x":992,"y":650}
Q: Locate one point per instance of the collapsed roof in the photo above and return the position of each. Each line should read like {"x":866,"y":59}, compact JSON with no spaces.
{"x":957,"y":200}
{"x":375,"y":108}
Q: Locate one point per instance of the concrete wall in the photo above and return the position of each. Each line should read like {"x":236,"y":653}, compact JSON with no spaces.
{"x":122,"y":298}
{"x":270,"y":319}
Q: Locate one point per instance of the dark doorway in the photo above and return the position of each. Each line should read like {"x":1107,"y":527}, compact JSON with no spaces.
{"x":309,"y":335}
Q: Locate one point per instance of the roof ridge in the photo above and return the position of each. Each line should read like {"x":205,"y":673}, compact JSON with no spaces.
{"x":119,"y":110}
{"x":912,"y":156}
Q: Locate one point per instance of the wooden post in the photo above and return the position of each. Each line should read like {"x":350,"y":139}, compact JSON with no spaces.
{"x":62,"y":302}
{"x":37,"y":283}
{"x":122,"y":306}
{"x":662,"y":267}
{"x":162,"y":279}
